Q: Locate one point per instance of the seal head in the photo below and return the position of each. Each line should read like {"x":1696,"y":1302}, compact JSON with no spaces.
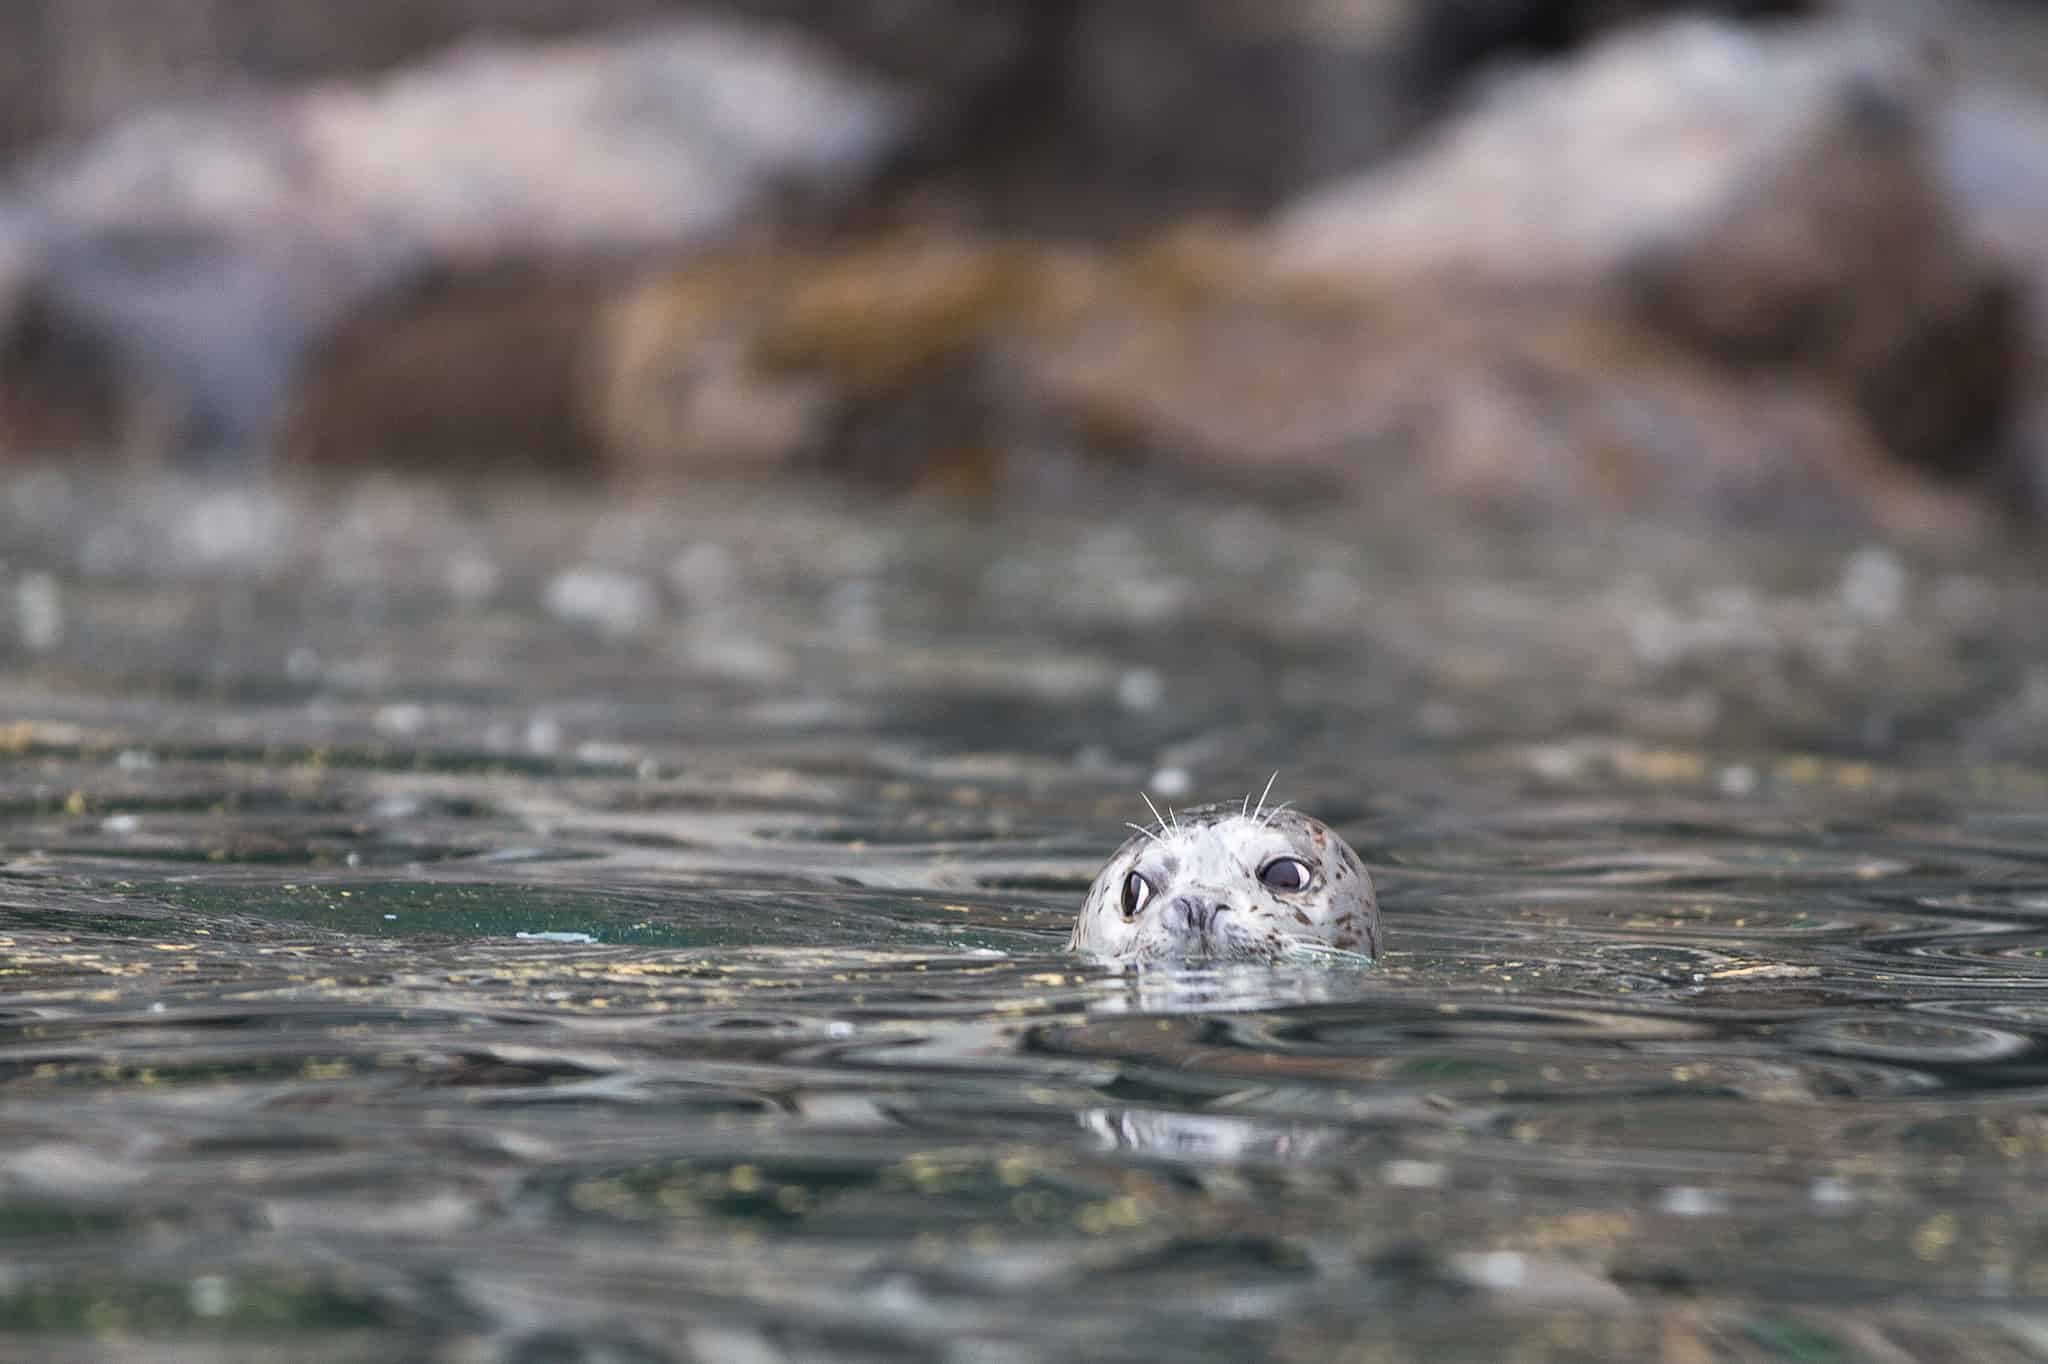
{"x":1218,"y":882}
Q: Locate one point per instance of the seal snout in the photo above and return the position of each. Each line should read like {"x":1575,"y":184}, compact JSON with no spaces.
{"x":1197,"y":915}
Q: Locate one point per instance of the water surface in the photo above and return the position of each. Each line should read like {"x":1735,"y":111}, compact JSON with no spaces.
{"x":515,"y":929}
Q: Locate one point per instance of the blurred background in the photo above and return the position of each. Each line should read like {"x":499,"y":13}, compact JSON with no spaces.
{"x":1759,"y":260}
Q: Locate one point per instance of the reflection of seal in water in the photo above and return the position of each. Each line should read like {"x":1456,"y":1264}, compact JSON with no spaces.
{"x":1228,"y":882}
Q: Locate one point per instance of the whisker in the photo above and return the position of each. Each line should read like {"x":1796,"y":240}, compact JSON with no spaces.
{"x":1154,"y":809}
{"x":1267,"y":792}
{"x":1143,"y":830}
{"x":1274,"y":813}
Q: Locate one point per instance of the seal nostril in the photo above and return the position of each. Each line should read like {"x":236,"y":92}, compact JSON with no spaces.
{"x":1194,"y":914}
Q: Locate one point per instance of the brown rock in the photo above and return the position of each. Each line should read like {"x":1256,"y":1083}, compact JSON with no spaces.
{"x":58,"y":393}
{"x":873,"y":360}
{"x":678,"y":385}
{"x":1765,"y":198}
{"x":1518,"y":408}
{"x":480,"y":372}
{"x":916,"y":362}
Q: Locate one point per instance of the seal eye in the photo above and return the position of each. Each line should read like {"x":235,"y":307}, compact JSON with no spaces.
{"x":1285,"y":873}
{"x":1137,"y":891}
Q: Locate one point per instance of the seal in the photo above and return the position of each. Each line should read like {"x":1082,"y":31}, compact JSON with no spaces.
{"x":1227,"y":882}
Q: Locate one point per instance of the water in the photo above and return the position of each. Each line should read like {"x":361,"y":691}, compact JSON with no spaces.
{"x":511,"y":929}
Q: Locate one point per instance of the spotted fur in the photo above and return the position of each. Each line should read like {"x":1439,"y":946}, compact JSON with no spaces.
{"x":1207,"y":900}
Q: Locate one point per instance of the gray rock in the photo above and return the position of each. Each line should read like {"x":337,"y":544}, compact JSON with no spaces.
{"x":1131,"y":114}
{"x":1565,"y":174}
{"x":1765,"y":197}
{"x":210,"y":244}
{"x":71,"y":69}
{"x":1082,"y":109}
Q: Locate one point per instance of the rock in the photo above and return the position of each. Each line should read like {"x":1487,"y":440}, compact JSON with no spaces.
{"x":71,"y":69}
{"x":57,"y":395}
{"x":966,"y":63}
{"x":1127,"y":115}
{"x":743,"y":360}
{"x":74,"y":68}
{"x":1698,"y":270}
{"x":1160,"y":109}
{"x":679,"y":382}
{"x":1657,"y":130}
{"x":1518,"y":409}
{"x":203,"y":255}
{"x":965,"y":364}
{"x":209,"y":246}
{"x":475,"y":372}
{"x":1171,"y":103}
{"x":1994,"y":145}
{"x":873,"y":359}
{"x":1763,"y":197}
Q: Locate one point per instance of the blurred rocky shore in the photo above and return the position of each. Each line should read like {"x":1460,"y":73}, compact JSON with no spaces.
{"x":1782,"y":262}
